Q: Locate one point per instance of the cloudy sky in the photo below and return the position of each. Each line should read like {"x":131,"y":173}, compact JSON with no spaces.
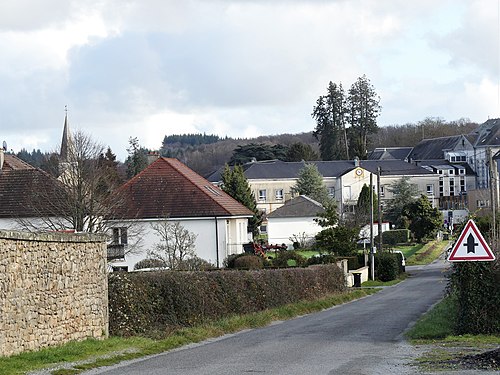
{"x":149,"y":68}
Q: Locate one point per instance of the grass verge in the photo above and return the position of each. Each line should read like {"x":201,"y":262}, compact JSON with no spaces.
{"x":76,"y":357}
{"x":427,"y":253}
{"x":378,"y":283}
{"x":443,"y":350}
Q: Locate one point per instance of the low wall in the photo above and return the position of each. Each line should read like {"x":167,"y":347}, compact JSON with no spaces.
{"x":350,"y":276}
{"x":53,"y":289}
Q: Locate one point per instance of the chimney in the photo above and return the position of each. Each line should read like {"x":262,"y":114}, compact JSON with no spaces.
{"x":356,"y":161}
{"x":2,"y":158}
{"x":152,"y":156}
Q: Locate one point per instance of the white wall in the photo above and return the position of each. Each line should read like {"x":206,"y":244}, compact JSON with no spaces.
{"x":280,"y":230}
{"x":231,"y":234}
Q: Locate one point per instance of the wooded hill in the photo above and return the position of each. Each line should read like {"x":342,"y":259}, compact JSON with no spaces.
{"x":206,"y":153}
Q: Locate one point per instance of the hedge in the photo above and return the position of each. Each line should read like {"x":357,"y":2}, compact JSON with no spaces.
{"x":393,"y":237}
{"x":147,"y":302}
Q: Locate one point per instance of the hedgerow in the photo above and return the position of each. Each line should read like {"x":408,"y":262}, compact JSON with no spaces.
{"x":148,"y":302}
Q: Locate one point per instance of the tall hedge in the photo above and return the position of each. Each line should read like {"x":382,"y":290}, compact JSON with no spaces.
{"x":476,"y":285}
{"x":145,"y":302}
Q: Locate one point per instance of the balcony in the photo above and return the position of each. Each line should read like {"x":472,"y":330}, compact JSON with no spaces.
{"x":116,"y":251}
{"x":453,"y":203}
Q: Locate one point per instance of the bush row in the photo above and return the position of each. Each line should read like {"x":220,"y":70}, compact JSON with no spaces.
{"x":476,"y":286}
{"x":147,"y":302}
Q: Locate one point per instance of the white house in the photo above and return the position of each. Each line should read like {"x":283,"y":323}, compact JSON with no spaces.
{"x":168,"y":190}
{"x":294,"y":221}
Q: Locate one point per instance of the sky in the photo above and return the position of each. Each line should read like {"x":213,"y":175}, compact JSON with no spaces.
{"x":150,"y":68}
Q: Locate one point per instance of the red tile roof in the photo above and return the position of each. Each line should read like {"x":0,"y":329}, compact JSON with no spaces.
{"x":12,"y":162}
{"x":26,"y":191}
{"x":168,"y":188}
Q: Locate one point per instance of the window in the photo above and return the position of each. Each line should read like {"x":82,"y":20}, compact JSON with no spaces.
{"x":483,"y":203}
{"x":430,"y":189}
{"x":120,"y":236}
{"x":262,"y":195}
{"x":451,"y":171}
{"x":382,"y":190}
{"x":263,"y":229}
{"x":462,"y":184}
{"x":453,"y":158}
{"x":461,"y":171}
{"x":452,"y":187}
{"x":441,"y":187}
{"x":331,"y":192}
{"x":278,"y":194}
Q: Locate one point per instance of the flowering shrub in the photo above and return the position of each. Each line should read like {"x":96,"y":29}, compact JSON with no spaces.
{"x":147,"y":302}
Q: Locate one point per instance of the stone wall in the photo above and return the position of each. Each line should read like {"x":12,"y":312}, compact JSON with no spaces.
{"x":53,"y":289}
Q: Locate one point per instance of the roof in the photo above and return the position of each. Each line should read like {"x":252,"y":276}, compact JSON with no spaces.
{"x":12,"y":162}
{"x":487,"y":134}
{"x":445,"y":164}
{"x":390,"y":153}
{"x":433,"y":148}
{"x":277,"y":169}
{"x":168,"y":188}
{"x":301,"y":206}
{"x":26,"y":191}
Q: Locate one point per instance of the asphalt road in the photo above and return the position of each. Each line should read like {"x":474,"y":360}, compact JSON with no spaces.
{"x":361,"y":337}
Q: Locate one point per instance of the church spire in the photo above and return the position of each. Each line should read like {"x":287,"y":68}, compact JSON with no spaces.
{"x":66,"y":137}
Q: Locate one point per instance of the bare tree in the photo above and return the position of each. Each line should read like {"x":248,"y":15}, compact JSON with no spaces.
{"x":176,"y":244}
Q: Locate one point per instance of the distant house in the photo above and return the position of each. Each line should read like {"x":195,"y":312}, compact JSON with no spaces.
{"x":272,"y":181}
{"x":29,"y":197}
{"x":294,"y":221}
{"x":168,"y":190}
{"x":485,"y":139}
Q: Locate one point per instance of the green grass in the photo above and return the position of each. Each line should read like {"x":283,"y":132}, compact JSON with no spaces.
{"x":427,"y":253}
{"x":378,"y":283}
{"x":409,"y":250}
{"x":438,"y":323}
{"x":96,"y":353}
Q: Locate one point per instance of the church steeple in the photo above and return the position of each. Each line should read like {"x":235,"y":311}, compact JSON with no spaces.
{"x":66,"y":137}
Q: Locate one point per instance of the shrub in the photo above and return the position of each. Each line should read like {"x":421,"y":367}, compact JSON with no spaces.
{"x":195,"y":264}
{"x":476,"y":286}
{"x":149,"y":263}
{"x":229,"y":261}
{"x":149,"y":303}
{"x":393,"y":237}
{"x":284,"y":256}
{"x":249,"y":262}
{"x":386,"y":266}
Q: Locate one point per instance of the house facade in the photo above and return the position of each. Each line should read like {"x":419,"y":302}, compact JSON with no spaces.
{"x":294,"y":222}
{"x":272,"y":181}
{"x":168,"y":190}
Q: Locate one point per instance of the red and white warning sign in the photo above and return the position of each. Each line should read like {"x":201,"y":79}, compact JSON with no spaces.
{"x":471,"y":246}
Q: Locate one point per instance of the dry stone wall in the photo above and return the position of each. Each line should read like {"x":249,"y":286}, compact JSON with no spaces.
{"x":53,"y":289}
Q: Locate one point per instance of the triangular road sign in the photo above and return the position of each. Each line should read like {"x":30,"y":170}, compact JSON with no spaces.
{"x":471,"y":246}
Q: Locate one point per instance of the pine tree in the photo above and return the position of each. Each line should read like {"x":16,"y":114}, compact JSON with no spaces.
{"x":236,"y":185}
{"x":363,"y":108}
{"x":310,"y":183}
{"x":362,"y":214}
{"x":330,"y":115}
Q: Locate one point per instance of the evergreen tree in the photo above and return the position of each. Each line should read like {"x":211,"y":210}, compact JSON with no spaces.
{"x":245,"y":153}
{"x":236,"y":185}
{"x":362,"y":214}
{"x":425,"y":220}
{"x":299,"y":151}
{"x":404,"y":193}
{"x":363,"y":108}
{"x":137,"y":159}
{"x":310,"y":183}
{"x":330,"y":115}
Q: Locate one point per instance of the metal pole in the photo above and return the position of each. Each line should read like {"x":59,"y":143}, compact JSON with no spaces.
{"x":372,"y":257}
{"x":492,"y":193}
{"x":379,"y":208}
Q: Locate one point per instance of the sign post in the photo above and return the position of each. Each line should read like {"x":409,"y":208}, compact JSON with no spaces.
{"x":471,"y":246}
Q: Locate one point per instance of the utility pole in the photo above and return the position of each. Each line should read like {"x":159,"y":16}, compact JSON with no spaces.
{"x":372,"y":257}
{"x":492,"y":193}
{"x":379,"y":209}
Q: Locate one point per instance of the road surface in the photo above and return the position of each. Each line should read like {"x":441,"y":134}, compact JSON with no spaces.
{"x":360,"y":337}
